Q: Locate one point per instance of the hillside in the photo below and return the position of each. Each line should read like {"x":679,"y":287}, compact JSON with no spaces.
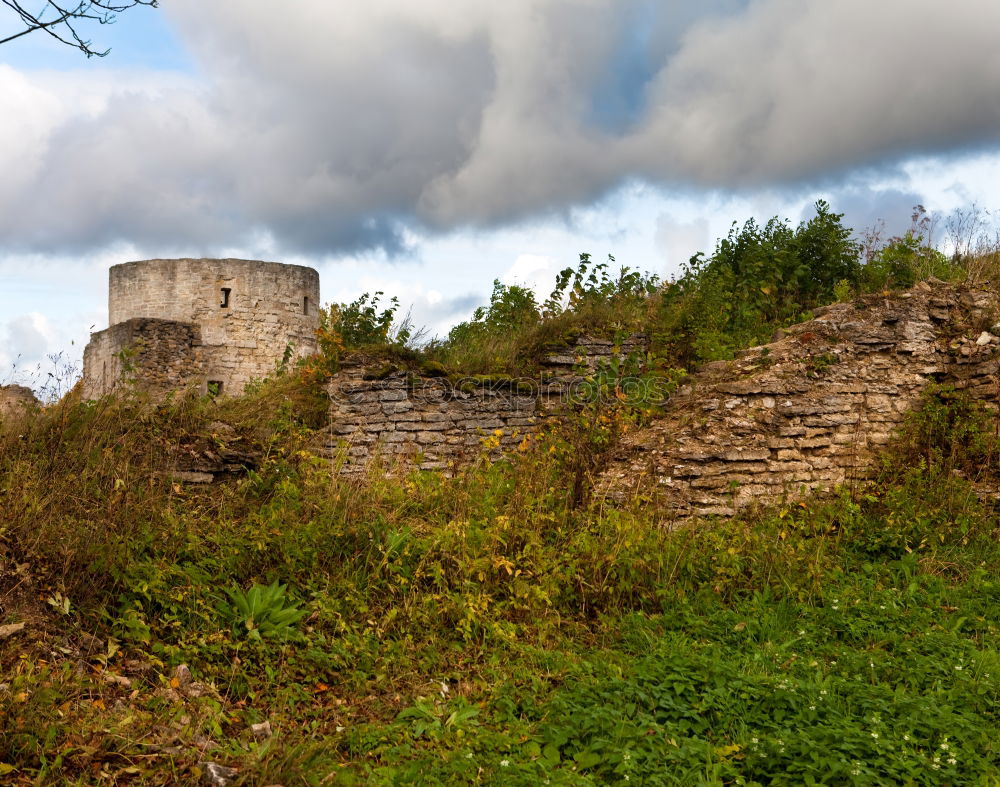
{"x":536,"y":610}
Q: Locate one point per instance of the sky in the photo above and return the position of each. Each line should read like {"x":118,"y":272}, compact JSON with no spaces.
{"x":426,"y":148}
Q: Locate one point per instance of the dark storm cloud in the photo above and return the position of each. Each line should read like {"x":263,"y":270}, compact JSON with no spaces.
{"x":331,"y":130}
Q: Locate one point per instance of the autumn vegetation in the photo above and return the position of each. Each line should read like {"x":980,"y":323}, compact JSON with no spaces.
{"x":497,"y":624}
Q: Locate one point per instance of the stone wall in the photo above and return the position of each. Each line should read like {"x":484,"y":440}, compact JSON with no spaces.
{"x":436,"y":422}
{"x":811,"y":409}
{"x":156,"y":355}
{"x":246,"y":315}
{"x":15,"y":399}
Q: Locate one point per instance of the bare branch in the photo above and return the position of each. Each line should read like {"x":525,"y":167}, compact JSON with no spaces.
{"x":60,"y":21}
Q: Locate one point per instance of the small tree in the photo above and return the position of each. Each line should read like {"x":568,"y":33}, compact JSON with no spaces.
{"x":63,"y":21}
{"x":759,"y":278}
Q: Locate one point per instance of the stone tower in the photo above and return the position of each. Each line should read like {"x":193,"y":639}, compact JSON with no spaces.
{"x":210,"y":324}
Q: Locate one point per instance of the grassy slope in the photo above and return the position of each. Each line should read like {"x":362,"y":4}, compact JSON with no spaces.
{"x":476,"y":629}
{"x":483,"y":628}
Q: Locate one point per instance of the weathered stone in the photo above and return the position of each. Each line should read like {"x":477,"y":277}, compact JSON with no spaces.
{"x":450,"y":421}
{"x":826,"y":422}
{"x":213,"y":325}
{"x":218,"y":775}
{"x":10,"y":629}
{"x":16,"y":399}
{"x":392,"y":395}
{"x":191,"y":477}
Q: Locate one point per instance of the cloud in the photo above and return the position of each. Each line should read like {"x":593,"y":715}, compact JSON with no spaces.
{"x":888,"y":210}
{"x":317,"y":130}
{"x":791,"y":90}
{"x":26,"y":344}
{"x":535,"y":271}
{"x":680,"y":240}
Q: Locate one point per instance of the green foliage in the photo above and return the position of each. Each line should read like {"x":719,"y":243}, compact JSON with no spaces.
{"x":489,"y":341}
{"x":950,"y":432}
{"x":513,"y":331}
{"x":758,"y":279}
{"x":904,"y":261}
{"x":847,"y":691}
{"x":511,"y":308}
{"x":610,"y":400}
{"x":365,"y":322}
{"x":496,"y":625}
{"x":552,"y":635}
{"x":433,"y":719}
{"x":591,"y":288}
{"x":261,"y":612}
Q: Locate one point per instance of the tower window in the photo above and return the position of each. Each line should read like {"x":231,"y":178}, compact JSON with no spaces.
{"x":225,"y":297}
{"x":305,"y":304}
{"x":214,"y":388}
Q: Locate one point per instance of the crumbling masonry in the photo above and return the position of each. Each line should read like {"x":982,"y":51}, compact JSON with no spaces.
{"x":213,"y":325}
{"x":808,"y":411}
{"x":811,"y":409}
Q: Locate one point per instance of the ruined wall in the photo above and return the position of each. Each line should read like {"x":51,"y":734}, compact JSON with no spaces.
{"x":156,"y":355}
{"x":436,"y":422}
{"x":15,"y":399}
{"x":811,"y":409}
{"x":246,"y":313}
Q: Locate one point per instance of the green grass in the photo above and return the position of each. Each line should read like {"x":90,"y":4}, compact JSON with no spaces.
{"x":496,"y":627}
{"x":481,"y":629}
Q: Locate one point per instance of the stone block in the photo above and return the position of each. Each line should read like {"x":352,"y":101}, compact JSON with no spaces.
{"x":392,"y":395}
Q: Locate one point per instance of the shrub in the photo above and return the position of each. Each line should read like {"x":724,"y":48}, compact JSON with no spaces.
{"x":365,"y":322}
{"x":513,"y":331}
{"x":758,"y":279}
{"x":904,"y":261}
{"x":949,"y":432}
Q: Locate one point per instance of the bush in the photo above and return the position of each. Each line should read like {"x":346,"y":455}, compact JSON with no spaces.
{"x":364,"y":323}
{"x":758,"y":279}
{"x":513,"y":331}
{"x":904,"y":261}
{"x":950,"y":432}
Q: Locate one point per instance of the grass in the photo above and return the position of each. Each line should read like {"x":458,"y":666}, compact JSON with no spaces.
{"x":478,"y":629}
{"x":497,"y":627}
